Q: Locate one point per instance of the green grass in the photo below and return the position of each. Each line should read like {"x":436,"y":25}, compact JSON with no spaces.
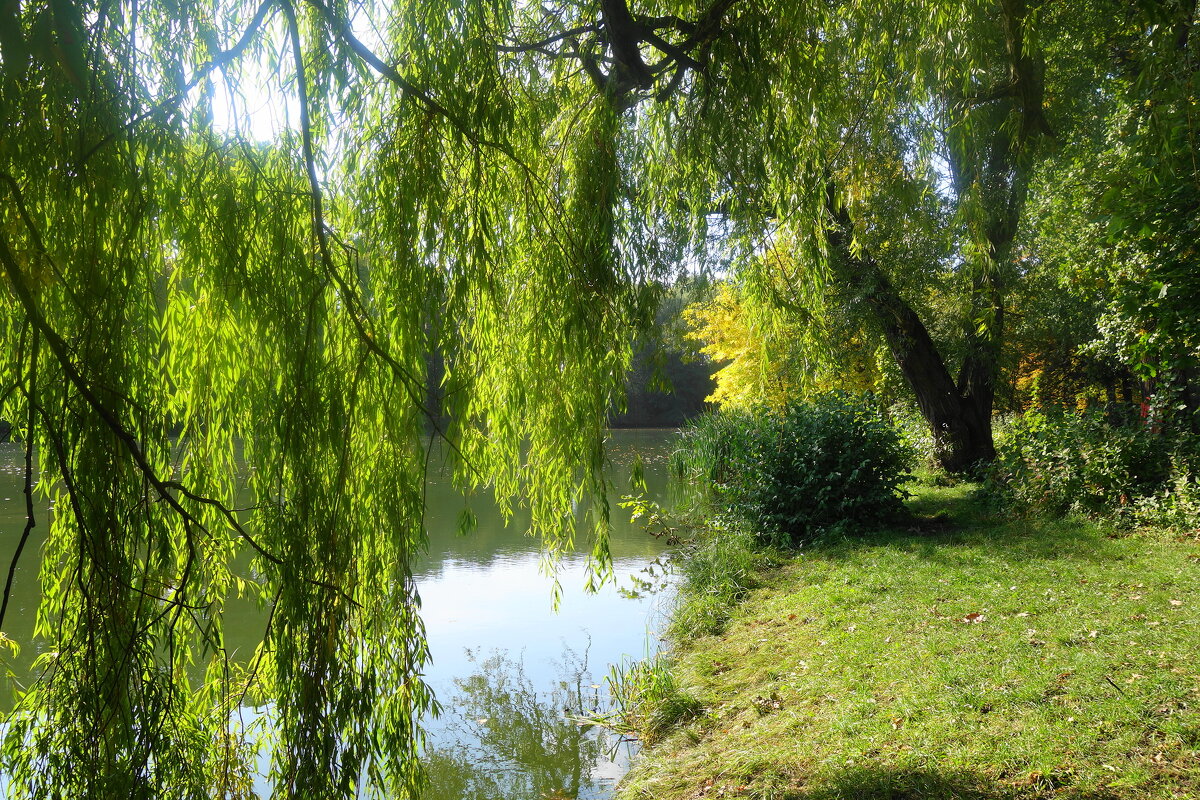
{"x":647,"y":700}
{"x":968,"y":656}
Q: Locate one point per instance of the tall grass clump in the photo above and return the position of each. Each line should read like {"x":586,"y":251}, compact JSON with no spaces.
{"x":647,"y":700}
{"x":830,"y":462}
{"x":715,"y":573}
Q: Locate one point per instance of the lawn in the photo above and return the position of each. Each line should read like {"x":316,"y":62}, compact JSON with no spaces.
{"x":968,"y":655}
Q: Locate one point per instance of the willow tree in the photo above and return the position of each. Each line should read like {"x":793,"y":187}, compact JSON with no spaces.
{"x":893,"y":143}
{"x":217,"y":346}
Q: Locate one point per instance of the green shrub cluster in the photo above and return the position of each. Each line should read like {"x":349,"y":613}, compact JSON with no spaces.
{"x":1060,"y":461}
{"x":830,"y":462}
{"x":915,"y":433}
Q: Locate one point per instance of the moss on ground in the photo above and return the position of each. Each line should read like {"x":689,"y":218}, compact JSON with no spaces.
{"x":970,"y":655}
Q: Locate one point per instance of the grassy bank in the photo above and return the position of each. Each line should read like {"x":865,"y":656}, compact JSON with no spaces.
{"x":971,"y":655}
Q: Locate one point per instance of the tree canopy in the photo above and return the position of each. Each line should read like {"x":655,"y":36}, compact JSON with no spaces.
{"x":218,"y":344}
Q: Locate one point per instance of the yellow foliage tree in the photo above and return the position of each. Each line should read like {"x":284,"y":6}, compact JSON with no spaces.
{"x":754,"y":373}
{"x":772,"y":357}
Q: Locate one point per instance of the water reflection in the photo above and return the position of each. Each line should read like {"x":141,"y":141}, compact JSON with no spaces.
{"x":506,"y":738}
{"x":483,"y":593}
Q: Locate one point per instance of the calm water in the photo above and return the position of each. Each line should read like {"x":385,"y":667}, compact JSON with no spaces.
{"x":511,"y":673}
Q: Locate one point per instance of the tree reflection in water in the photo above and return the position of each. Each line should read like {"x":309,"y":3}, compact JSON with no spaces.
{"x":507,"y":740}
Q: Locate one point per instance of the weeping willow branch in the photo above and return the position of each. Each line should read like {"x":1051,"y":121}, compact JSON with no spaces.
{"x":30,"y":521}
{"x":357,"y":312}
{"x":59,"y":349}
{"x":407,"y":87}
{"x":219,"y":61}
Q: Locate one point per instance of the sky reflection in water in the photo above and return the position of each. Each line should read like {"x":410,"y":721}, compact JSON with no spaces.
{"x":509,"y":671}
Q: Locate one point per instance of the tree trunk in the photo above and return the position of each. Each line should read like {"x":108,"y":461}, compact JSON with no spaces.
{"x":959,"y":416}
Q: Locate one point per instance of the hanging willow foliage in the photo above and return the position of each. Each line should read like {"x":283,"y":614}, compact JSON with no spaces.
{"x":192,"y":318}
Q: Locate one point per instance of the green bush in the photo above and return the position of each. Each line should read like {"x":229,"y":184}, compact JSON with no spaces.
{"x":830,"y":462}
{"x":1059,"y":462}
{"x":915,"y":433}
{"x":1177,"y":505}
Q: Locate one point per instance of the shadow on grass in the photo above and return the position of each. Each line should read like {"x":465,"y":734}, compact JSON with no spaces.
{"x":960,"y":505}
{"x":942,"y":519}
{"x":877,"y":783}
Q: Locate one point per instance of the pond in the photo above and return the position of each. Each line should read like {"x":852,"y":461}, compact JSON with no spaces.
{"x":513,"y":675}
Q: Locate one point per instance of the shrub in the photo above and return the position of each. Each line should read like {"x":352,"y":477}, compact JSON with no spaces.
{"x":1175,"y":506}
{"x":1057,"y":462}
{"x":830,"y":462}
{"x":915,"y":433}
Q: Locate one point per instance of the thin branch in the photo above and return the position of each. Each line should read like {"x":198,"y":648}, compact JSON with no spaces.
{"x":668,"y":21}
{"x":708,"y":26}
{"x":228,"y":514}
{"x":30,"y":521}
{"x":219,"y":61}
{"x":36,"y":235}
{"x":676,"y":54}
{"x":549,"y":40}
{"x":576,"y":54}
{"x":342,"y":29}
{"x":673,"y":84}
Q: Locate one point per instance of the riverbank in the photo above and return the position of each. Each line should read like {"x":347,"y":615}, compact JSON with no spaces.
{"x":969,"y":655}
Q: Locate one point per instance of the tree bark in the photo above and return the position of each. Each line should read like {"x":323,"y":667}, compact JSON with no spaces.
{"x":959,"y":416}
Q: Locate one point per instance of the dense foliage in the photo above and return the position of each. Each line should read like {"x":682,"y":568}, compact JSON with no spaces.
{"x":830,"y":462}
{"x":216,"y":342}
{"x":1062,"y":461}
{"x":1004,"y":212}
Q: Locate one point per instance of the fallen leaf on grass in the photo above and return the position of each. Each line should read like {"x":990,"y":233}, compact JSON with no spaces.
{"x":974,"y":616}
{"x":1176,"y":602}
